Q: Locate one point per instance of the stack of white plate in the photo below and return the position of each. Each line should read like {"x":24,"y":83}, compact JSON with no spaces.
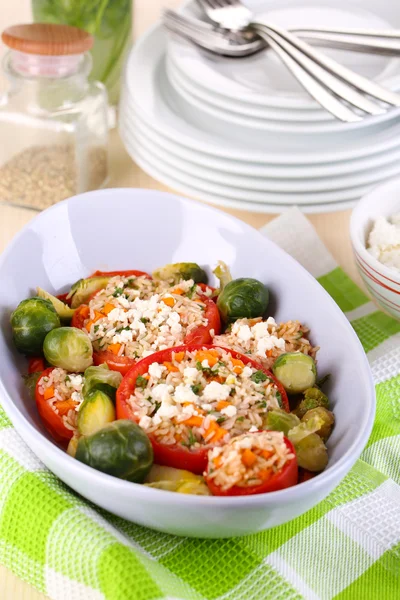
{"x":242,"y":133}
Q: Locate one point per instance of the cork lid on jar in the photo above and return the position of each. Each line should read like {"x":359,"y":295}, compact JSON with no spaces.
{"x":47,"y":39}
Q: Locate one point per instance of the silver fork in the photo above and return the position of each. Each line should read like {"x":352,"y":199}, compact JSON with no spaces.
{"x":233,"y":15}
{"x":217,"y":42}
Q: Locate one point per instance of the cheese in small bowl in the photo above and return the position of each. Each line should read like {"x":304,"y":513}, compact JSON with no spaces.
{"x":384,"y":241}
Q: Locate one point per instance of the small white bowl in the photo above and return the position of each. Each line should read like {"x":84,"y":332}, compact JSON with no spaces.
{"x":382,"y":282}
{"x":143,"y":229}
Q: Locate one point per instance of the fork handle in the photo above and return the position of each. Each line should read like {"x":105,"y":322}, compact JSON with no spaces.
{"x":332,"y":83}
{"x":311,"y":85}
{"x":350,"y":77}
{"x":389,"y":46}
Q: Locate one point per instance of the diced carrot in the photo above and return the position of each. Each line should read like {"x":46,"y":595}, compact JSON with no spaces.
{"x":169,"y":301}
{"x":248,"y":457}
{"x":171,"y":368}
{"x":194,"y":421}
{"x":114,"y":348}
{"x":64,"y":406}
{"x":269,"y":353}
{"x":212,"y":428}
{"x":217,"y":461}
{"x":210,"y":355}
{"x":108,"y":308}
{"x":222,"y":404}
{"x":238,"y":365}
{"x":218,"y":378}
{"x":265,"y":474}
{"x":84,"y":311}
{"x":266,"y":454}
{"x":218,"y":435}
{"x":178,"y":292}
{"x":97,"y":316}
{"x":48,"y":393}
{"x":179,"y":356}
{"x":253,"y":322}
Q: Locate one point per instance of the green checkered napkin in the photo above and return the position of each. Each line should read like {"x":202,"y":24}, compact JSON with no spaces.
{"x":347,"y":547}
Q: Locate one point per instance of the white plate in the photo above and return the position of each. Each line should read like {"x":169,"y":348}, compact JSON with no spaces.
{"x":255,"y":171}
{"x":262,"y":78}
{"x":225,"y":201}
{"x":265,"y":185}
{"x":151,"y":101}
{"x":198,"y":104}
{"x":246,"y":200}
{"x":179,"y":230}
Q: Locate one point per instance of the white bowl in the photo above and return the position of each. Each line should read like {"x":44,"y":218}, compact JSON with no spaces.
{"x":128,"y":228}
{"x":381,"y":281}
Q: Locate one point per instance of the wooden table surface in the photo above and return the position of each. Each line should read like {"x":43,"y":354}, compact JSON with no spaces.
{"x":333,"y":228}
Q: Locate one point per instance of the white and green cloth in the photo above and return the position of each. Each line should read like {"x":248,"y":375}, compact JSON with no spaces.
{"x":346,"y":548}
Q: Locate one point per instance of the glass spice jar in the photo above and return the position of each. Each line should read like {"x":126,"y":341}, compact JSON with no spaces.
{"x":53,"y":121}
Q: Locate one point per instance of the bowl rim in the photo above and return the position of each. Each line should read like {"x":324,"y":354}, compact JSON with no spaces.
{"x":358,"y":218}
{"x":326,"y":479}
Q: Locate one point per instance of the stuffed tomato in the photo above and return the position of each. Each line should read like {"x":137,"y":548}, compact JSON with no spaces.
{"x":133,"y":317}
{"x":191,"y":398}
{"x":253,"y":463}
{"x":58,"y":397}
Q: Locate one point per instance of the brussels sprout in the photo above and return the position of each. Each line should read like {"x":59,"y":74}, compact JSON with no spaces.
{"x":81,"y":291}
{"x":327,"y":417}
{"x":296,"y":371}
{"x":72,"y":446}
{"x":243,"y":298}
{"x":96,"y":411}
{"x":63,"y":310}
{"x":313,"y":397}
{"x":178,"y":271}
{"x":101,"y":378}
{"x":69,"y":348}
{"x":222,"y":273}
{"x":30,"y":382}
{"x":31,"y":321}
{"x":304,"y":429}
{"x":176,"y":480}
{"x":280,"y":420}
{"x":121,"y":449}
{"x":311,"y":453}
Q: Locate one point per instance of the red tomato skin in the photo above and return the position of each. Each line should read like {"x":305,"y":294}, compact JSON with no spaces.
{"x":305,"y":475}
{"x":36,"y":365}
{"x":285,"y":478}
{"x":51,"y":420}
{"x":175,"y":455}
{"x":132,"y":273}
{"x":78,"y":317}
{"x":122,"y":364}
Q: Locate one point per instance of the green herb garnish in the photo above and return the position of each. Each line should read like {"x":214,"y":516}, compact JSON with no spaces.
{"x":259,"y":377}
{"x":195,"y":388}
{"x":141,"y":381}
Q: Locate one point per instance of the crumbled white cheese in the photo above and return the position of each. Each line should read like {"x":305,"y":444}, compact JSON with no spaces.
{"x":268,"y":343}
{"x":247,"y":372}
{"x":216,"y":391}
{"x":384,"y":241}
{"x":206,"y":406}
{"x":244,"y":333}
{"x":253,"y":429}
{"x":76,"y":397}
{"x":76,"y":380}
{"x":205,"y":364}
{"x":229,"y":411}
{"x":183,"y":393}
{"x":162,"y":392}
{"x":156,"y":370}
{"x":123,"y":337}
{"x":167,"y":410}
{"x":190,"y":374}
{"x":145,"y":422}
